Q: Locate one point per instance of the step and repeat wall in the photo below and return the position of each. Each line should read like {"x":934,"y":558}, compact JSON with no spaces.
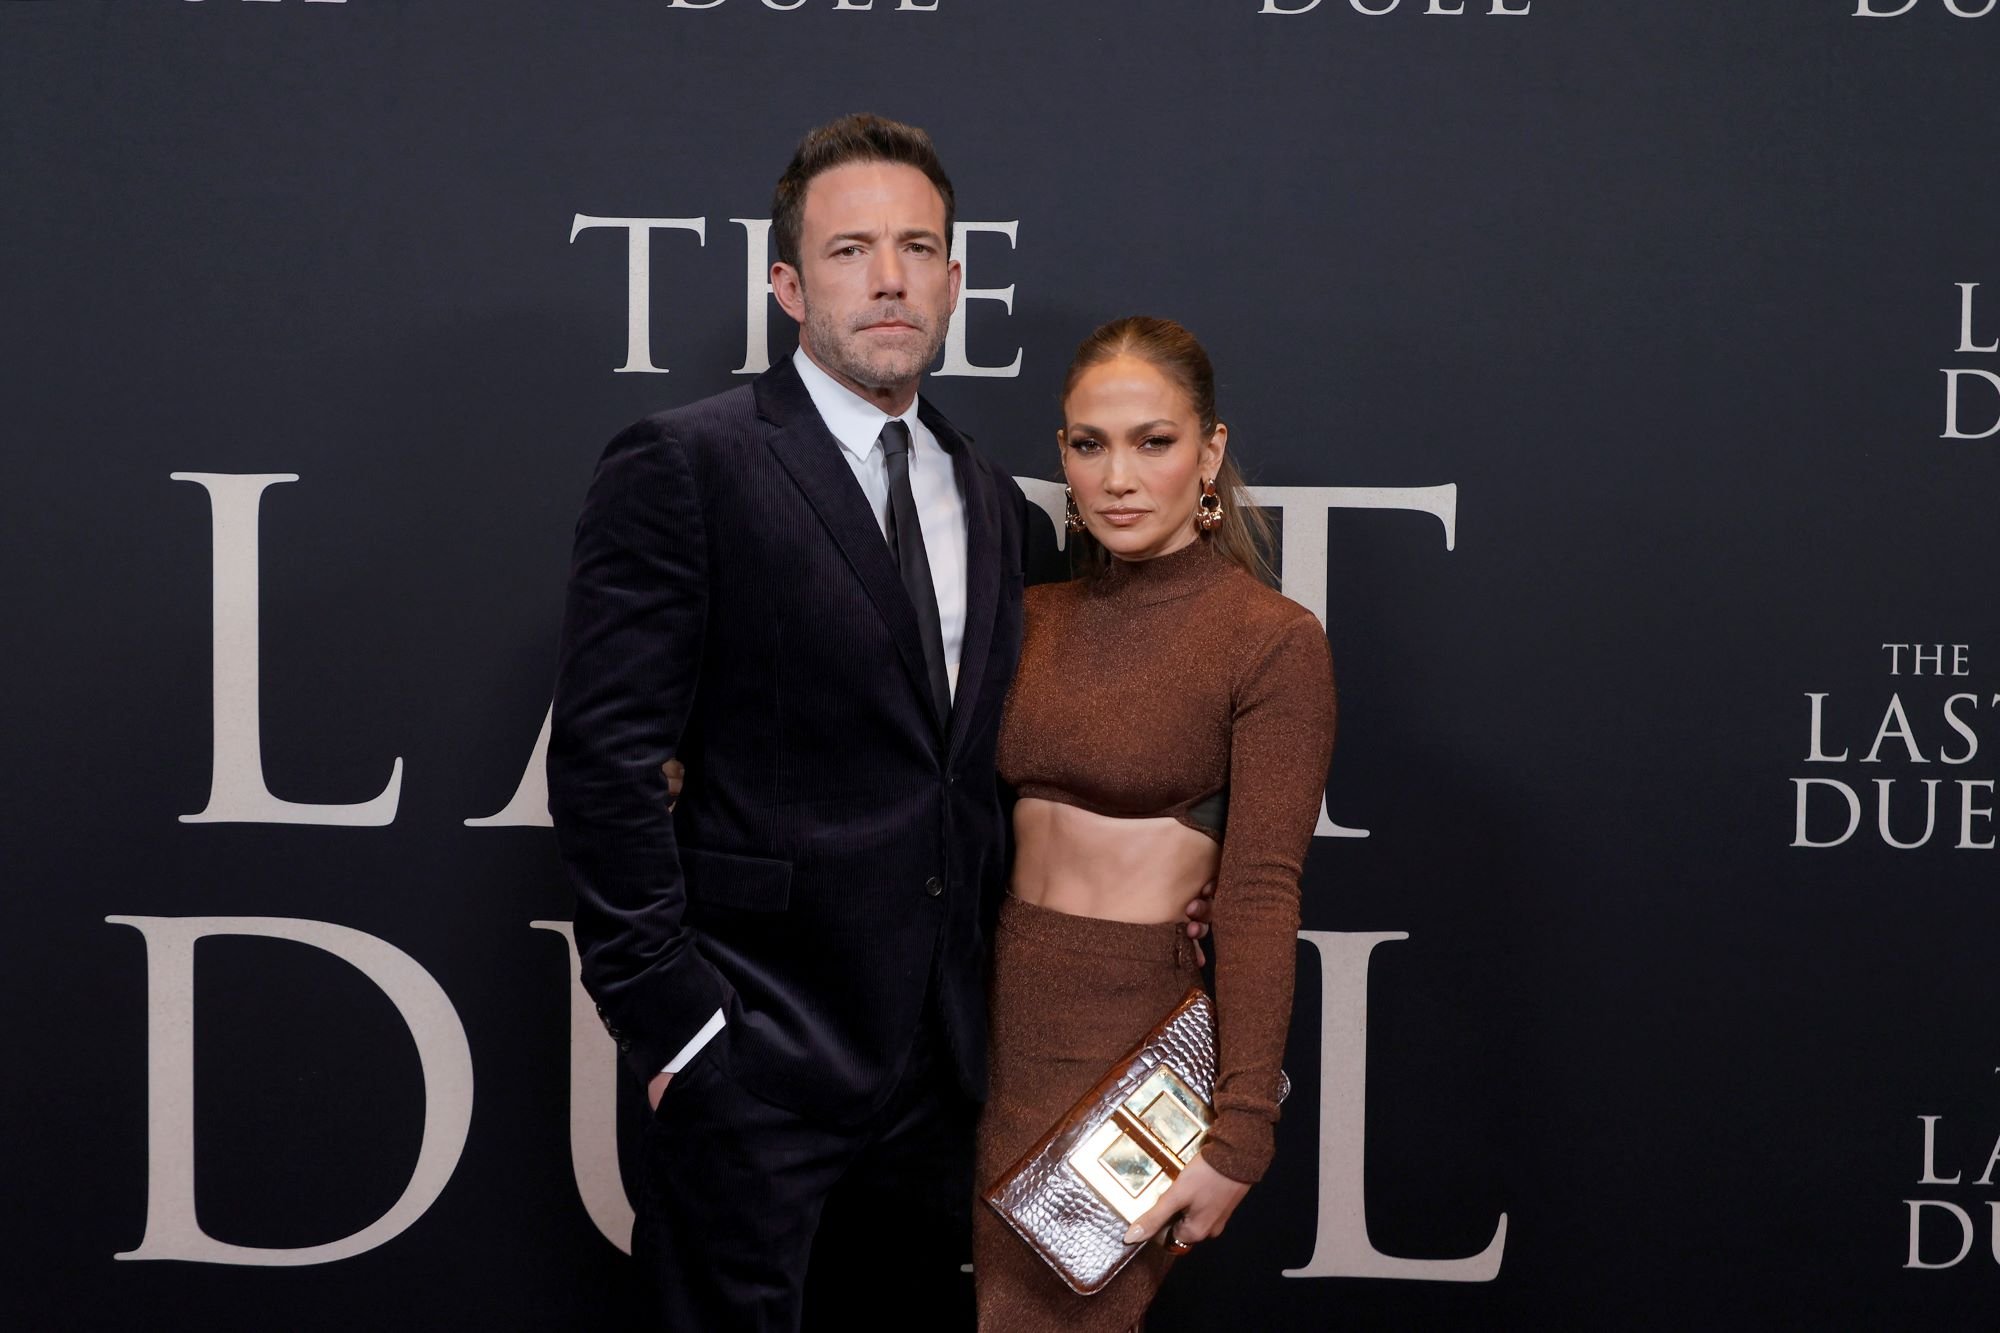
{"x":1625,"y":379}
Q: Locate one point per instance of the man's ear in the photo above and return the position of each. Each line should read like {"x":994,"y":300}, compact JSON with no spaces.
{"x":790,"y":289}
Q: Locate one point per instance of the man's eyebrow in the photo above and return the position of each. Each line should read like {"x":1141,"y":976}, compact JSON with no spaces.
{"x":851,"y":236}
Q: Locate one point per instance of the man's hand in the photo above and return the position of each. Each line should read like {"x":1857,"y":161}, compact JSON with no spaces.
{"x":656,"y":1089}
{"x":1197,"y":924}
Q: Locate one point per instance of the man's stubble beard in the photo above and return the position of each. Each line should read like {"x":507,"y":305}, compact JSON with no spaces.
{"x":893,"y":368}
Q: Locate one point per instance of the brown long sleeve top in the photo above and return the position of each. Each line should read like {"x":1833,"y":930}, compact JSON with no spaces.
{"x":1151,"y":690}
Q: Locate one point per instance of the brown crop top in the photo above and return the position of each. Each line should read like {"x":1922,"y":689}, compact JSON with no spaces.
{"x":1152,"y":690}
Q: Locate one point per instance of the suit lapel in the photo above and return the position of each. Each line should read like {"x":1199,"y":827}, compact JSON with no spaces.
{"x":982,"y":570}
{"x":806,"y":449}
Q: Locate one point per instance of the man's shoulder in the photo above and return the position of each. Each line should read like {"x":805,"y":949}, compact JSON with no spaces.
{"x":718,"y":418}
{"x":701,"y":435}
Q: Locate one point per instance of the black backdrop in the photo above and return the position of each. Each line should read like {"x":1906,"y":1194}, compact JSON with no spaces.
{"x":1671,"y":294}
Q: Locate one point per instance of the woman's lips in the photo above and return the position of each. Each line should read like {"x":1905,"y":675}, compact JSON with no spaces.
{"x":1122,"y":518}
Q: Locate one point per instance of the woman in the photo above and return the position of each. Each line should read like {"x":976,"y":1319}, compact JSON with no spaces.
{"x":1170,"y":724}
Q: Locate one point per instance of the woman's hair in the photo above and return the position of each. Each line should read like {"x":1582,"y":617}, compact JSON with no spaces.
{"x":1245,"y":534}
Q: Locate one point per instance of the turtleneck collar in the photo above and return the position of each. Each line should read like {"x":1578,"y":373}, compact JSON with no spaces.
{"x":1164,"y":577}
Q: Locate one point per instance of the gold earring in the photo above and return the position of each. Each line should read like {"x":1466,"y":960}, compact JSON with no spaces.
{"x":1072,"y":516}
{"x":1208,"y":508}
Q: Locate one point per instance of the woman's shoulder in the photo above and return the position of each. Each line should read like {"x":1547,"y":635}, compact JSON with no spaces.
{"x":1259,"y":610}
{"x":1279,"y":644}
{"x":1048,"y":613}
{"x":1047,"y":596}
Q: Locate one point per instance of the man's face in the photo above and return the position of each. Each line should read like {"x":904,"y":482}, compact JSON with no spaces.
{"x":874,"y":289}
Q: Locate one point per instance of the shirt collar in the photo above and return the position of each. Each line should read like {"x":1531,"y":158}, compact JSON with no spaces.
{"x":854,"y":421}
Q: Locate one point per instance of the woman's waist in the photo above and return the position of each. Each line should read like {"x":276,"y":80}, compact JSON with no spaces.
{"x":1135,"y":870}
{"x":1074,"y":842}
{"x":1200,"y":808}
{"x":1050,"y":928}
{"x":1083,"y":853}
{"x":1154,"y":904}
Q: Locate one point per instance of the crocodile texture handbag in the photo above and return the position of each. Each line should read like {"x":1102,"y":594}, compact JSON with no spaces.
{"x":1073,"y":1195}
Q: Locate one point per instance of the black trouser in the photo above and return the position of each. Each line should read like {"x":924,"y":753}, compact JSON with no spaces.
{"x":755,"y":1218}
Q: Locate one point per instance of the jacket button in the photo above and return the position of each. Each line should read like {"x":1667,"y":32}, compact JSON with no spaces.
{"x":934,"y":887}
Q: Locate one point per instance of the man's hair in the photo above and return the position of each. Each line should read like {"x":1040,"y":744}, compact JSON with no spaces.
{"x":855,"y":138}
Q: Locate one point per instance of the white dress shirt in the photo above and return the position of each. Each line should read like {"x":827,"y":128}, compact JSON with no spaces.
{"x":857,"y":424}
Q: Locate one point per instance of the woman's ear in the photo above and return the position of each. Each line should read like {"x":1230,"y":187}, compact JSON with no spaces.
{"x":1212,"y":452}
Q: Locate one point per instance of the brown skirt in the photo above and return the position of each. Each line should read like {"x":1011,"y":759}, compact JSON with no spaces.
{"x":1071,"y":994}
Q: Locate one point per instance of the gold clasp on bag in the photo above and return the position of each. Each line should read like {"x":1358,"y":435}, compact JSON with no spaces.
{"x":1131,"y":1159}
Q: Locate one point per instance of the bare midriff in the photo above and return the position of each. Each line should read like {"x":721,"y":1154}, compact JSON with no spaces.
{"x":1073,"y":860}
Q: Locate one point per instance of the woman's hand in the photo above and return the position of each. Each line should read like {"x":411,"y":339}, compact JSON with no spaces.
{"x":1194,"y":1208}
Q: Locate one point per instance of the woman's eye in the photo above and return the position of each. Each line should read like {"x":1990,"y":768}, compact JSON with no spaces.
{"x":1084,"y":446}
{"x":1156,"y":442}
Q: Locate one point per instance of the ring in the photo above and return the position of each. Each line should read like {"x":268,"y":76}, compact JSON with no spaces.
{"x":1175,"y":1245}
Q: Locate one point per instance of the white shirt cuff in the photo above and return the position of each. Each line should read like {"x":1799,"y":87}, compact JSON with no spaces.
{"x":693,"y":1048}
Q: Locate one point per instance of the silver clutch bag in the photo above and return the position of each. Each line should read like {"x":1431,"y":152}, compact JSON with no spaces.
{"x":1107,"y":1162}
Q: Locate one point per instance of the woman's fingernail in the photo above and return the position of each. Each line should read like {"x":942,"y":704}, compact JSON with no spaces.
{"x":1133,"y":1234}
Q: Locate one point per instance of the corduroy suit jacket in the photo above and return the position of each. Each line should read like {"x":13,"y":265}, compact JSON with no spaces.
{"x":834,"y":860}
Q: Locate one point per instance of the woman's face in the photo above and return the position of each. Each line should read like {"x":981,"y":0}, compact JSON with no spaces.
{"x":1134,"y":455}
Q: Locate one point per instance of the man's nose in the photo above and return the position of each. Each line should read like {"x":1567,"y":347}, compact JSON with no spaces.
{"x":887,"y":275}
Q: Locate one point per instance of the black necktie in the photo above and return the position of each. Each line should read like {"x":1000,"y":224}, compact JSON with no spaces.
{"x":906,"y":543}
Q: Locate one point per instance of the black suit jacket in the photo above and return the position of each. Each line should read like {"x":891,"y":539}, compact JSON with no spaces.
{"x":834,"y":858}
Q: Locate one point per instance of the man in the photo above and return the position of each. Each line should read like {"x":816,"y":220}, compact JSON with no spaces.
{"x":808,"y":592}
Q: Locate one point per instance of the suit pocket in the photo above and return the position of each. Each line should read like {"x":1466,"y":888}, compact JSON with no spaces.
{"x":724,"y":879}
{"x":708,"y":1066}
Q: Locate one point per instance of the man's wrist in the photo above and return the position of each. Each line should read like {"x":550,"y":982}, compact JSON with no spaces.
{"x":687,"y":1053}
